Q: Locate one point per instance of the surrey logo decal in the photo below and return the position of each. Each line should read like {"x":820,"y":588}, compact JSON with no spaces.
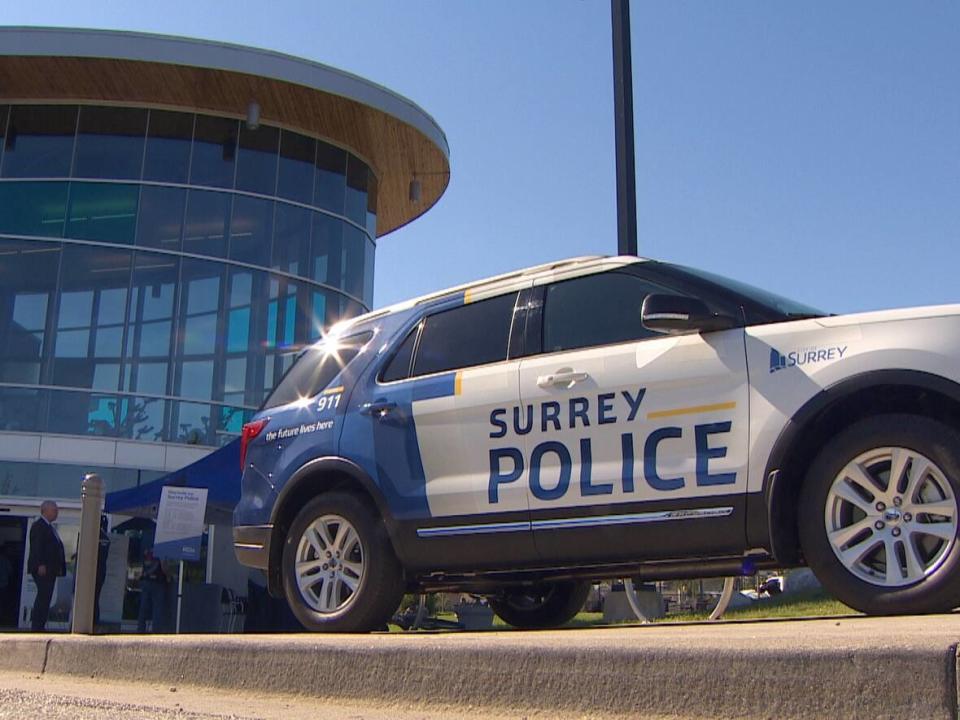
{"x":805,"y":356}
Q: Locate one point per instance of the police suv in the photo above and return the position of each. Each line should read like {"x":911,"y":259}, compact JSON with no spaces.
{"x":523,"y":436}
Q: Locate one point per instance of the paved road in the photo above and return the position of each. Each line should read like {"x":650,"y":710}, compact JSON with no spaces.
{"x":25,"y":696}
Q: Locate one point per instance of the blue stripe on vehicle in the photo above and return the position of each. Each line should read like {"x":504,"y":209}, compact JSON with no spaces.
{"x":434,"y":387}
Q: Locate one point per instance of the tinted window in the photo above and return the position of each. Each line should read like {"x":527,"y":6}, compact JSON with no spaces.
{"x":474,"y":334}
{"x":315,"y":369}
{"x":352,"y":261}
{"x":330,"y":178}
{"x":34,"y":208}
{"x":168,"y":146}
{"x":4,"y":113}
{"x":250,"y":230}
{"x":355,"y":206}
{"x":110,"y":143}
{"x":205,"y":227}
{"x":257,"y":160}
{"x":325,"y":250}
{"x":372,"y":205}
{"x":297,"y":155}
{"x":161,"y":217}
{"x":291,"y":239}
{"x":214,"y":151}
{"x":399,"y":366}
{"x":39,"y":141}
{"x":595,"y":310}
{"x":103,"y":211}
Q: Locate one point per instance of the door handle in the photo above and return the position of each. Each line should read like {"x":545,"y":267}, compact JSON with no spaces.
{"x":564,"y":377}
{"x":378,"y":408}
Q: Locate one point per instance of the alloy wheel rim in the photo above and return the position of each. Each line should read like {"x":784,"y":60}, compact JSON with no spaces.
{"x":891,"y":517}
{"x":329,"y":564}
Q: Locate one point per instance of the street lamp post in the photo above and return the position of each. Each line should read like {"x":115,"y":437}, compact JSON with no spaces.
{"x":623,"y":121}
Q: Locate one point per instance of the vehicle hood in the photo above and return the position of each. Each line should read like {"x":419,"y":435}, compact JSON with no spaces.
{"x":878,"y":316}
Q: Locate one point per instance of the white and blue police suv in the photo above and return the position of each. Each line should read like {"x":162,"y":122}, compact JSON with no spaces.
{"x":520,"y":437}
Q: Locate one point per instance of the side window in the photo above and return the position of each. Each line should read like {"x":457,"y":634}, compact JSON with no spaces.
{"x":474,"y":334}
{"x":399,"y":366}
{"x":600,"y":309}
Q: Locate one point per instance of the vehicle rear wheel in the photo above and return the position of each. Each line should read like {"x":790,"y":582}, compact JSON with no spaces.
{"x":339,"y":570}
{"x":544,"y":606}
{"x":878,"y":516}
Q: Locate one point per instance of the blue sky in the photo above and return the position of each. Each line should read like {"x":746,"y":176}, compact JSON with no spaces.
{"x":811,"y":148}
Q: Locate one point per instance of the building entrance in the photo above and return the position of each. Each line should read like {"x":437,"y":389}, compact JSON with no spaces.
{"x":15,"y":519}
{"x":13,"y":543}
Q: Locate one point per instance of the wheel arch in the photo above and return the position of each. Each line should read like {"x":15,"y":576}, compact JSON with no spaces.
{"x":834,"y":408}
{"x":311,"y":479}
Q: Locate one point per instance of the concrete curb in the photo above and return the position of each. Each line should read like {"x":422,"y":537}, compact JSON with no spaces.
{"x":855,"y":668}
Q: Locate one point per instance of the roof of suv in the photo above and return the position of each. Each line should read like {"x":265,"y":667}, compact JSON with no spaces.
{"x":498,"y":284}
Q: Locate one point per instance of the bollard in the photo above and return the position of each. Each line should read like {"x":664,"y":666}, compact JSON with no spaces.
{"x":91,"y":501}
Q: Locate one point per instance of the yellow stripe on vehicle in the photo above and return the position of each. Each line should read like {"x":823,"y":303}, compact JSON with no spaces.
{"x":458,"y":383}
{"x":331,"y":391}
{"x":691,"y":410}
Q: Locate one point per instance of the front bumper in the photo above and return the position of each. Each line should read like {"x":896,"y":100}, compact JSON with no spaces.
{"x":251,"y":543}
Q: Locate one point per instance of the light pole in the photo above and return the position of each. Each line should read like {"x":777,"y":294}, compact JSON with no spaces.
{"x":623,"y":122}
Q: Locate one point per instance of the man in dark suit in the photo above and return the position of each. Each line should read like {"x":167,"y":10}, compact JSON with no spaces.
{"x":46,"y":561}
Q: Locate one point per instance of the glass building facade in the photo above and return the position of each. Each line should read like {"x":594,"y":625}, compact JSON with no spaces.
{"x":159,"y":269}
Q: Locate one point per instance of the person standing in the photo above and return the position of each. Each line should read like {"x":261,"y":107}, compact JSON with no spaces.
{"x":8,"y":613}
{"x":153,"y":592}
{"x":46,"y":562}
{"x":103,"y":552}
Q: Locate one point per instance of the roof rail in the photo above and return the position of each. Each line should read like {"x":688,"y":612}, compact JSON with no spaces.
{"x":473,"y":285}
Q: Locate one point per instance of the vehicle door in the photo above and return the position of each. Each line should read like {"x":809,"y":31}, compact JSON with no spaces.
{"x":430,"y":415}
{"x":635,"y":442}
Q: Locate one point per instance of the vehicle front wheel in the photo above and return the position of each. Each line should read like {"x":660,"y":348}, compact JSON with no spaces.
{"x":340,"y":573}
{"x":544,"y":606}
{"x":878,"y":516}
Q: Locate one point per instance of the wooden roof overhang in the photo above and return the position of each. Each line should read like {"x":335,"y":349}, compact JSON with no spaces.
{"x":396,"y":138}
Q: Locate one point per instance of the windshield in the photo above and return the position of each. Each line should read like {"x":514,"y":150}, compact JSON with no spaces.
{"x":785,"y":306}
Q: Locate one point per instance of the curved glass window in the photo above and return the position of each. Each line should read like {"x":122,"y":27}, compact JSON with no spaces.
{"x":110,"y":143}
{"x":39,"y":141}
{"x":160,"y":270}
{"x":329,"y":186}
{"x":214,"y":151}
{"x":251,"y":230}
{"x":295,"y":176}
{"x":103,"y":211}
{"x":37,"y":208}
{"x":161,"y":217}
{"x":257,"y":160}
{"x":206,"y":223}
{"x":167,"y":155}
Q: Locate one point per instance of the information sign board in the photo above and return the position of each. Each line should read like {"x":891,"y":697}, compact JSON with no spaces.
{"x":180,"y":523}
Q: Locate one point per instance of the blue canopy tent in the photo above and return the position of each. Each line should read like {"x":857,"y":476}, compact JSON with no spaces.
{"x":219,"y":472}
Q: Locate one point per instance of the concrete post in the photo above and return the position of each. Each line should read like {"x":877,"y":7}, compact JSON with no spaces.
{"x":91,"y":501}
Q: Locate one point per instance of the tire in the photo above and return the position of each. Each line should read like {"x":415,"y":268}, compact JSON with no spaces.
{"x":545,"y":606}
{"x":355,"y":591}
{"x":878,"y":546}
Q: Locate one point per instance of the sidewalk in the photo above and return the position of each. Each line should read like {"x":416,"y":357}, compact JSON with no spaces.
{"x":842,"y":667}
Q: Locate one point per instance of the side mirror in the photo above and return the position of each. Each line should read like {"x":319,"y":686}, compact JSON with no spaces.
{"x":677,"y":315}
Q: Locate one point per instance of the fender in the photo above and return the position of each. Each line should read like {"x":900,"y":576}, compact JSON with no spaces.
{"x":762,"y":522}
{"x":302,"y":476}
{"x":340,"y":466}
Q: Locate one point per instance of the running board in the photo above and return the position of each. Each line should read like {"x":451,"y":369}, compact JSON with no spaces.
{"x":643,"y":572}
